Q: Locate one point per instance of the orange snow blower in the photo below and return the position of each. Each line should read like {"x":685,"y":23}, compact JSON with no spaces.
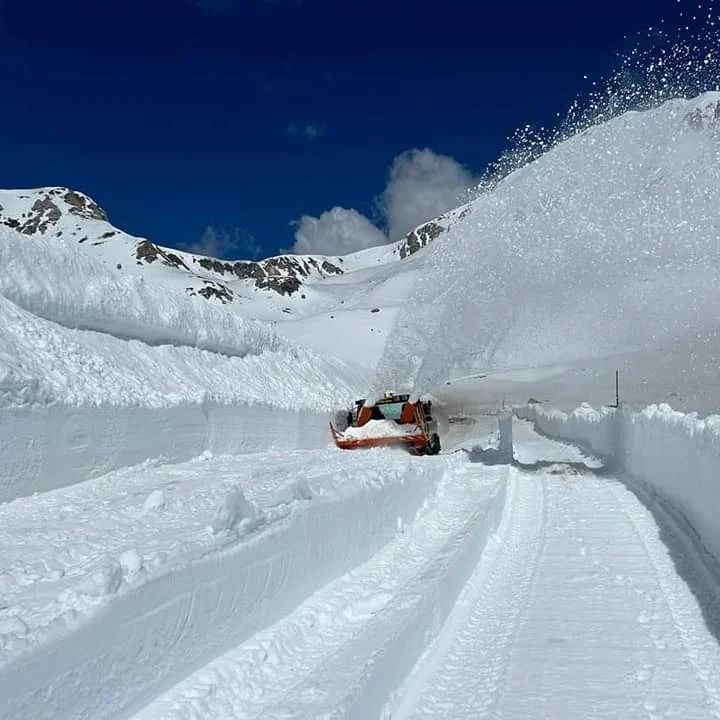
{"x":392,"y":421}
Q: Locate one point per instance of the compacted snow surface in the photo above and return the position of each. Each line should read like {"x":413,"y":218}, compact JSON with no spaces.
{"x":319,"y":583}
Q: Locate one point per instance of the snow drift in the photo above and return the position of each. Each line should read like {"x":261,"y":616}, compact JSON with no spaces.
{"x":677,"y":456}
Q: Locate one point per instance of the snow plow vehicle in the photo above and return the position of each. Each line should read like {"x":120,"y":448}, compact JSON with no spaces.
{"x":392,"y":421}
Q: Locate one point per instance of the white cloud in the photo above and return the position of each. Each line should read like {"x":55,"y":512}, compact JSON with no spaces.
{"x":310,"y":131}
{"x":336,"y":232}
{"x":236,"y":244}
{"x":421,"y":186}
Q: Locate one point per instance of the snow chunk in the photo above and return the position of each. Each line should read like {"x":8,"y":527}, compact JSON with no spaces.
{"x":131,"y":562}
{"x":379,"y":429}
{"x":296,"y":490}
{"x":155,"y":500}
{"x":13,"y":625}
{"x":235,"y":510}
{"x":105,"y":580}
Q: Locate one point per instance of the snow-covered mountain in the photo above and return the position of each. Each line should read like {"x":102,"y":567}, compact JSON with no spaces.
{"x":346,"y":307}
{"x":71,"y":217}
{"x":60,"y":242}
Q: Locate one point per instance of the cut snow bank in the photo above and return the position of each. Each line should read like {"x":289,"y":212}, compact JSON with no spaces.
{"x":57,"y":282}
{"x":677,"y":456}
{"x":43,"y":449}
{"x":77,"y":404}
{"x":42,"y":362}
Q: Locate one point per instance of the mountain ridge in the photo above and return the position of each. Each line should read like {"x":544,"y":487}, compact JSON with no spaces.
{"x":72,"y":216}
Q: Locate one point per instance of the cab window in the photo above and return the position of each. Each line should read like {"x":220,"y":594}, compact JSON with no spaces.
{"x":392,"y":411}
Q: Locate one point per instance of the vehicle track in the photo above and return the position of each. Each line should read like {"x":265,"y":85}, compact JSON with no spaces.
{"x":581,"y":615}
{"x":506,"y":569}
{"x":514,"y":594}
{"x":343,"y":652}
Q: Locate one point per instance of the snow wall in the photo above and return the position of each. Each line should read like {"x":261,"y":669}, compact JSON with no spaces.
{"x":64,"y":285}
{"x":674,"y":455}
{"x":44,"y":448}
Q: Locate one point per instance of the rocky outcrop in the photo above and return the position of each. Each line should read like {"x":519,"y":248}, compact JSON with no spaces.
{"x":83,"y":206}
{"x":43,"y":209}
{"x":705,"y":117}
{"x":44,"y":212}
{"x":283,"y":274}
{"x":72,"y":216}
{"x":149,"y":252}
{"x":214,"y":290}
{"x":423,"y":235}
{"x":419,"y":238}
{"x":284,"y":285}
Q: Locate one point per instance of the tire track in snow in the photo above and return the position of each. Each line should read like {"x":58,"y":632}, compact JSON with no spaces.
{"x":506,"y":570}
{"x":342,"y":652}
{"x":589,"y":620}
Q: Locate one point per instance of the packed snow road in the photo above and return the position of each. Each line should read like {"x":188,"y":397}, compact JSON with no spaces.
{"x":544,"y":592}
{"x":367,"y":585}
{"x":575,"y":611}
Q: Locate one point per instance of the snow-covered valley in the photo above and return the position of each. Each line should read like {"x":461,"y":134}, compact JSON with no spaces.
{"x":181,"y":539}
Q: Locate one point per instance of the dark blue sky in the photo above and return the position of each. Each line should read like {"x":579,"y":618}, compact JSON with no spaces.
{"x":178,"y":115}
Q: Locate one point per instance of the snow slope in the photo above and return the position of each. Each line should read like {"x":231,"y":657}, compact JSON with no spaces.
{"x":606,"y":245}
{"x":127,"y":285}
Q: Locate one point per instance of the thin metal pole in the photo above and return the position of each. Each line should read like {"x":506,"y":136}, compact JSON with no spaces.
{"x":617,"y":388}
